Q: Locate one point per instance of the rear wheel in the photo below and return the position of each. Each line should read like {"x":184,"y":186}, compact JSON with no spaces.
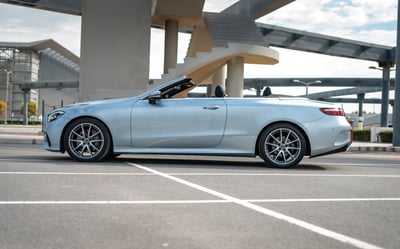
{"x":87,"y":140}
{"x":282,"y":145}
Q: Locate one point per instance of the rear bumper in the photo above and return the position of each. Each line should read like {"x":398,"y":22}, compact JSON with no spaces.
{"x":344,"y":148}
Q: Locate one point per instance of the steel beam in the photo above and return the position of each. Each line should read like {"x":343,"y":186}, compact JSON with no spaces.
{"x":344,"y":92}
{"x":354,"y":100}
{"x":324,"y":44}
{"x":332,"y":82}
{"x":59,"y":84}
{"x":255,"y":8}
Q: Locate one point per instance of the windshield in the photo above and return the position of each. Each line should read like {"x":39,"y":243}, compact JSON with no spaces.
{"x":177,"y":90}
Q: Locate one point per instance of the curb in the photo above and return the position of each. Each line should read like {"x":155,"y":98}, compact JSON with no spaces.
{"x":375,"y":149}
{"x":16,"y":141}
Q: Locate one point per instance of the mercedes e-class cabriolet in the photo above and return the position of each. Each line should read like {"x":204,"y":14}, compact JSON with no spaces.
{"x":164,"y":120}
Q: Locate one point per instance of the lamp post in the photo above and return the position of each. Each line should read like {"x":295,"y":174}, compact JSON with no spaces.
{"x":307,"y":84}
{"x":7,"y":83}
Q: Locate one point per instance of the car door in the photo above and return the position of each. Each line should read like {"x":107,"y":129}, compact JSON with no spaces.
{"x":178,"y":123}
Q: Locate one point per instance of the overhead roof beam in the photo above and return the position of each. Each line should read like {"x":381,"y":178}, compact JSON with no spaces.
{"x":326,"y":82}
{"x":345,"y":92}
{"x":25,"y":86}
{"x":324,"y":44}
{"x":69,"y":7}
{"x":291,"y":39}
{"x":255,"y":8}
{"x":354,"y":100}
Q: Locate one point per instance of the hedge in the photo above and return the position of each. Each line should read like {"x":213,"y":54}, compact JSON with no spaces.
{"x":386,"y":136}
{"x":362,"y":135}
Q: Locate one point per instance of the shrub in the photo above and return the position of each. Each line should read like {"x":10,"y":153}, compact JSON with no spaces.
{"x":3,"y":106}
{"x":386,"y":136}
{"x":361,"y":135}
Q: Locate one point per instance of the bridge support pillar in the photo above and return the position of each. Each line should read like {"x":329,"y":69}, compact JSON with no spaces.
{"x":115,"y":52}
{"x":360,"y":97}
{"x":396,"y":108}
{"x":385,"y":93}
{"x":234,"y":81}
{"x":218,"y":79}
{"x":171,"y":44}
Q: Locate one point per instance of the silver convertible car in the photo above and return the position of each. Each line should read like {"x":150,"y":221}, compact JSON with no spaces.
{"x":165,"y":121}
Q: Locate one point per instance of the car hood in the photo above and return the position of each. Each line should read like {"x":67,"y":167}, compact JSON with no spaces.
{"x":94,"y":103}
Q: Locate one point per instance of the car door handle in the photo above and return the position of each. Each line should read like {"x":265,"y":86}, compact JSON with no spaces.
{"x":211,"y":107}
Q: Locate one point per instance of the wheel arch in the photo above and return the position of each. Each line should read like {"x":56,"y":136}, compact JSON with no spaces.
{"x":308,"y":145}
{"x":62,"y":147}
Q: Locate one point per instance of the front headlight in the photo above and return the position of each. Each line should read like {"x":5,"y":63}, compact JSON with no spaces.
{"x":54,"y":115}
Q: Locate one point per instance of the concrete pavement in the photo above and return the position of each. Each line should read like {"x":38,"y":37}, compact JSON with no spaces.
{"x":32,"y":134}
{"x":21,"y":134}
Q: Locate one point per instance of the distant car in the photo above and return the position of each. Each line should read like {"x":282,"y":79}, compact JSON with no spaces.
{"x":164,"y":121}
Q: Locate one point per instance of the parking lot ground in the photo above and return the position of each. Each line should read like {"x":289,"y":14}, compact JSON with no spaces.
{"x":348,"y":200}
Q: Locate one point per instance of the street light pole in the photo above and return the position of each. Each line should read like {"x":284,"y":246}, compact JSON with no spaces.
{"x":307,"y":84}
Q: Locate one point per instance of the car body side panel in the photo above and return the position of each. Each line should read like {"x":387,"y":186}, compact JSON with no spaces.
{"x":328,"y":134}
{"x":115,"y":114}
{"x":178,"y":123}
{"x":246,"y":120}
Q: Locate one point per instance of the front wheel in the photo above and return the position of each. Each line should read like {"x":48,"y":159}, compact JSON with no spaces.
{"x":87,"y":140}
{"x":282,"y":145}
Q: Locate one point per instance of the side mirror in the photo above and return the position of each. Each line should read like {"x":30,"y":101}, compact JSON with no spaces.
{"x":154,"y":97}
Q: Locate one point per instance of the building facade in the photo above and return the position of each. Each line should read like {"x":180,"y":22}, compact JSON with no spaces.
{"x":37,"y":64}
{"x":17,"y":65}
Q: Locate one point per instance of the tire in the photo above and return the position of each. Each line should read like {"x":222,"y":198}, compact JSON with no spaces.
{"x":282,"y":145}
{"x":112,"y":155}
{"x":87,"y":140}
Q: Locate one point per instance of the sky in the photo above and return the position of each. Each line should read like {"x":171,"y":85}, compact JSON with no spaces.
{"x":373,"y":21}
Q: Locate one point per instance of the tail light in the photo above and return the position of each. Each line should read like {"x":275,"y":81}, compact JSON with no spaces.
{"x":332,"y":111}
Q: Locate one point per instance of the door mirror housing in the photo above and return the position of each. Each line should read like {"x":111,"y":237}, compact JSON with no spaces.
{"x":154,"y":97}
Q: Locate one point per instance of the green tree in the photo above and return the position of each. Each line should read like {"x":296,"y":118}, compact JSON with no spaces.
{"x":32,"y":109}
{"x":3,"y":106}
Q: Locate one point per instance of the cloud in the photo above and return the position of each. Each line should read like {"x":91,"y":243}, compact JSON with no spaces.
{"x":217,"y":6}
{"x":345,"y":18}
{"x":21,"y":24}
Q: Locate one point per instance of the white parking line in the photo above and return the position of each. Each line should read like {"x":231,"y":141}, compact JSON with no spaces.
{"x":271,"y":213}
{"x":74,"y":173}
{"x":324,"y":200}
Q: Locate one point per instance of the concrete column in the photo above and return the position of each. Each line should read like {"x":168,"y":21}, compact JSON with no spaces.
{"x":25,"y":107}
{"x":115,"y":49}
{"x":360,"y":97}
{"x":258,"y":91}
{"x":171,"y":44}
{"x":234,"y":81}
{"x":218,"y":79}
{"x":385,"y":94}
{"x":396,"y":108}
